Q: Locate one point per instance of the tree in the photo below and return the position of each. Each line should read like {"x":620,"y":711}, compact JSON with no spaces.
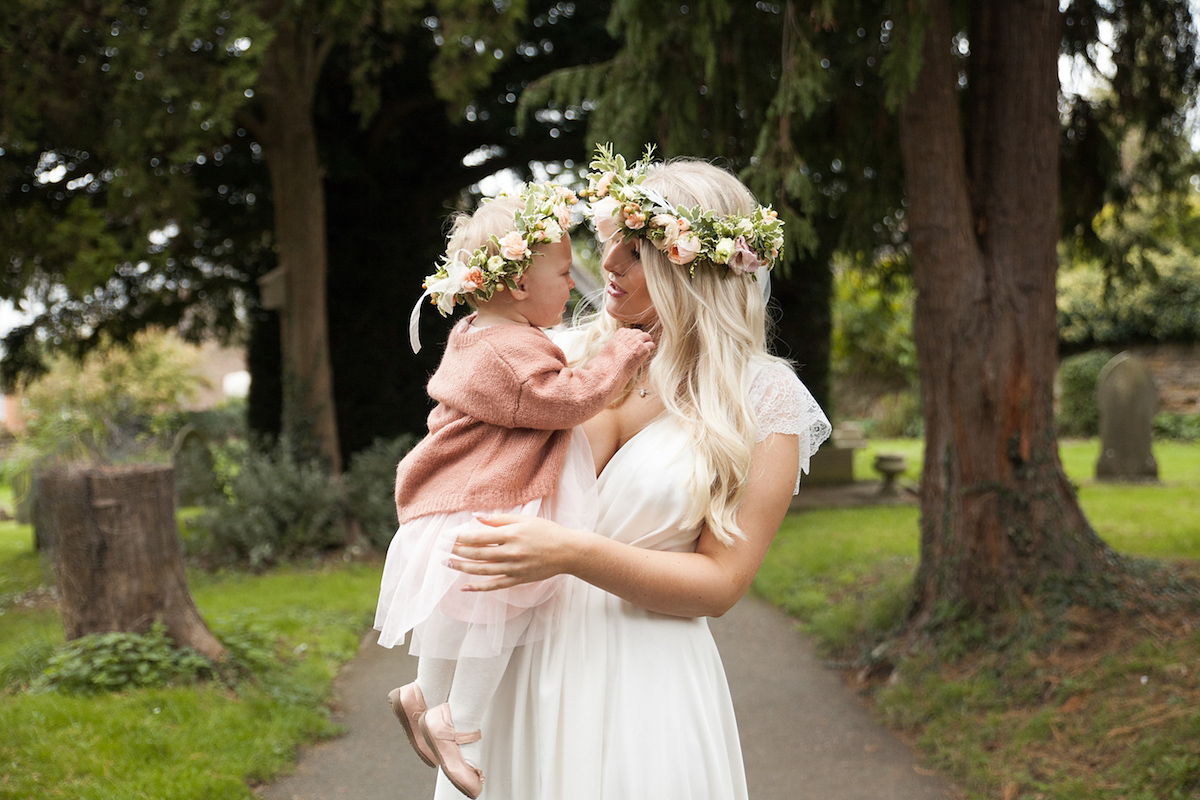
{"x":958,"y":104}
{"x":169,"y":70}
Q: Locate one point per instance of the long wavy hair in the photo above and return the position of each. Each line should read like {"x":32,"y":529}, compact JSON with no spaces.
{"x":709,"y":326}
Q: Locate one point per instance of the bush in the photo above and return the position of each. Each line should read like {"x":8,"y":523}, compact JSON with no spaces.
{"x":275,"y":506}
{"x":1160,"y":307}
{"x":1177,"y":426}
{"x":111,"y":662}
{"x":370,"y":485}
{"x":1077,"y":376}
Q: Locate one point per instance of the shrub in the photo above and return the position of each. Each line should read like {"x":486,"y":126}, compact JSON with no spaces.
{"x":116,"y":403}
{"x":369,"y":487}
{"x":275,"y":506}
{"x":1077,"y":376}
{"x":1177,"y":426}
{"x":872,"y":332}
{"x":114,"y":661}
{"x":1163,"y":306}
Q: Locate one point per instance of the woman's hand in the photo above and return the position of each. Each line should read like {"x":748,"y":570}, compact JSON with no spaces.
{"x":513,"y":549}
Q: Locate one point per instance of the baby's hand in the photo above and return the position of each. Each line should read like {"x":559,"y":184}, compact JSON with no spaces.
{"x":642,"y":343}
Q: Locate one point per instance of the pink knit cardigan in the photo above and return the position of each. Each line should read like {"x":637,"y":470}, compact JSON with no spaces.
{"x":506,"y":404}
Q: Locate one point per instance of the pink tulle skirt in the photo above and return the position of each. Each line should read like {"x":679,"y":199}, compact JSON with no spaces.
{"x":421,"y":594}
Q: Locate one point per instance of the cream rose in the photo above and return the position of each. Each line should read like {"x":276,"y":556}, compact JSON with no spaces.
{"x":604,"y":217}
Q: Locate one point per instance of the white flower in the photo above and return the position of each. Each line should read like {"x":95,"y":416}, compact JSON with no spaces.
{"x":724,"y":250}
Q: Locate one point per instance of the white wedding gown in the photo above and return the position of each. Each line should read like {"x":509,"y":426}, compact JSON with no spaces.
{"x":619,"y":703}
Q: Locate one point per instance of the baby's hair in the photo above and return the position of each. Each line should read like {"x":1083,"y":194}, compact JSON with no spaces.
{"x":494,"y":217}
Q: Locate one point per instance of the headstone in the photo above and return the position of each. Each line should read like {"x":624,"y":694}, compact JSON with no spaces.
{"x":195,"y":468}
{"x":830,"y":466}
{"x":1127,"y":399}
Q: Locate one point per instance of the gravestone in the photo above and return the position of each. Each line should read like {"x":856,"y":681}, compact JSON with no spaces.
{"x":1127,"y":399}
{"x":195,"y":468}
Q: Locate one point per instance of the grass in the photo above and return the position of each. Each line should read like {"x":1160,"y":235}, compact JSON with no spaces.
{"x":1079,"y":704}
{"x":187,"y":742}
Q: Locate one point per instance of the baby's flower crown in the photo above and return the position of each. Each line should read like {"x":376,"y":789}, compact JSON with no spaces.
{"x":544,"y":216}
{"x":619,"y":202}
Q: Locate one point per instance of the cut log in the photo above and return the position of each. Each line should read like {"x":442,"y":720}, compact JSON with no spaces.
{"x":116,"y":553}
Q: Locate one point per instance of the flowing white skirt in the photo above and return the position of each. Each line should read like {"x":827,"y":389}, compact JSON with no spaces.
{"x":420,"y":593}
{"x":618,"y":703}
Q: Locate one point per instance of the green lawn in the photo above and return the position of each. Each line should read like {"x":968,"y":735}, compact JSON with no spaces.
{"x":1114,"y":714}
{"x":1155,"y":520}
{"x":188,"y":742}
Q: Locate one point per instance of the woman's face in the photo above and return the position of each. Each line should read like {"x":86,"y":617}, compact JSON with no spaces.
{"x":627,"y":297}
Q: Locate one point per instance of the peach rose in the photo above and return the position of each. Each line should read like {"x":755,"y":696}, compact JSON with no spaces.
{"x":513,"y":246}
{"x":632,"y":216}
{"x":684,"y":249}
{"x":604,"y":182}
{"x":472,"y":280}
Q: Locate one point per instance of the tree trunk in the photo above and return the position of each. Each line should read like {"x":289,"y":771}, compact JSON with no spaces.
{"x":116,"y":553}
{"x":289,"y":139}
{"x":998,"y":515}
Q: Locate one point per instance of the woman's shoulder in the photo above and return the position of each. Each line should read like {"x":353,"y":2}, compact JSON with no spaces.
{"x":783,"y":404}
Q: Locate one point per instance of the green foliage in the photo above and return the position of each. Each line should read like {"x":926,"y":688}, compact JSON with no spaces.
{"x":370,"y":488}
{"x":110,"y":662}
{"x":276,"y":505}
{"x":1177,"y":426}
{"x":872,"y":325}
{"x":119,"y":401}
{"x":1161,"y":304}
{"x":1077,"y":413}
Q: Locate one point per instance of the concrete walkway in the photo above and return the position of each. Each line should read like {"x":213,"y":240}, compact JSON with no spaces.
{"x":805,"y":736}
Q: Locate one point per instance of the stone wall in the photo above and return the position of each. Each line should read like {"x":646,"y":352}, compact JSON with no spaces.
{"x":1176,"y":372}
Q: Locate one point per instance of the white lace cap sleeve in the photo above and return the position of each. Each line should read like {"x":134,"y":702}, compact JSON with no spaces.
{"x":783,"y":404}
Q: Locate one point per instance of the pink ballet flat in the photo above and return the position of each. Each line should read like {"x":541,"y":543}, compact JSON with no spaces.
{"x":408,"y":704}
{"x":444,"y":741}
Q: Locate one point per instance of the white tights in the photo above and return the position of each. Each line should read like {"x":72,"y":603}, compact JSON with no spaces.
{"x":468,"y":685}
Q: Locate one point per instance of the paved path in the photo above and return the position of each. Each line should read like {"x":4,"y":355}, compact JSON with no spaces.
{"x":805,"y":736}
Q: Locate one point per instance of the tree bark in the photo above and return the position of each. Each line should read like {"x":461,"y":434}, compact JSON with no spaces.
{"x":288,"y":135}
{"x":998,"y":515}
{"x":116,"y":553}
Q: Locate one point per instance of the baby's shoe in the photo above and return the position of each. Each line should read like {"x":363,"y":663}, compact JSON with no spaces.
{"x":444,"y":741}
{"x":408,"y":704}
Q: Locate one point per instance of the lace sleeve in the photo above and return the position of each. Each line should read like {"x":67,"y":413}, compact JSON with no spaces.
{"x":783,"y":404}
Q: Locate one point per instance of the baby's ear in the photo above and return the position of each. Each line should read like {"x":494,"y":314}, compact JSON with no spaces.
{"x":519,"y":293}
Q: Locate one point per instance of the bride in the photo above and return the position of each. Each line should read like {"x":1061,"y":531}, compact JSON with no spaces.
{"x":697,"y":463}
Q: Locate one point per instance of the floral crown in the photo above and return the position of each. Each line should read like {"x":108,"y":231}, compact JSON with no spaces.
{"x":544,"y":216}
{"x":620,"y":202}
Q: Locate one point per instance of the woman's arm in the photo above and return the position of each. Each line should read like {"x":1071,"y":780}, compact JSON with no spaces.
{"x":704,"y":583}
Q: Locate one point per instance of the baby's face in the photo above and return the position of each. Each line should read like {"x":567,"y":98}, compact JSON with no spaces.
{"x":548,"y":281}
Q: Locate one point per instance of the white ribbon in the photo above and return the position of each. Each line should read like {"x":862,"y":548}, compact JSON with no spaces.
{"x":447,"y":289}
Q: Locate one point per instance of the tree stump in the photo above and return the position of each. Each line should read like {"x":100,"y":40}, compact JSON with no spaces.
{"x":116,"y":553}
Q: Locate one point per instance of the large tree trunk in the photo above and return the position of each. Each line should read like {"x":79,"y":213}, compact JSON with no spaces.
{"x":289,"y":138}
{"x":997,"y":513}
{"x":116,"y":554}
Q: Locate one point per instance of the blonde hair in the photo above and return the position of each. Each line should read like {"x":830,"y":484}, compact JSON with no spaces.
{"x":469,"y":232}
{"x":709,"y":326}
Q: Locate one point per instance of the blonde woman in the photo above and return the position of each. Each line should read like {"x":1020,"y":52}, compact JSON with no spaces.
{"x":697,"y":463}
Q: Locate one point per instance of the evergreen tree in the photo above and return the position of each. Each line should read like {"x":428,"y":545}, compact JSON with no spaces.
{"x":934,"y":128}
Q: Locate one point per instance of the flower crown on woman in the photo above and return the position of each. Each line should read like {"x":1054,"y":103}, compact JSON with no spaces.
{"x":619,"y":202}
{"x":544,"y":216}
